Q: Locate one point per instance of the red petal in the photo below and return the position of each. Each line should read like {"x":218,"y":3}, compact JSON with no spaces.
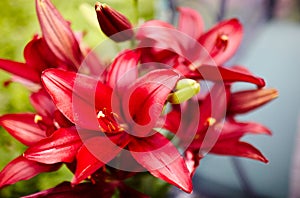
{"x":147,"y":98}
{"x":42,"y":103}
{"x":166,"y":45}
{"x":61,"y":146}
{"x":190,"y":22}
{"x":23,"y":169}
{"x":58,"y":34}
{"x":224,"y":74}
{"x":233,"y":129}
{"x":95,"y":153}
{"x":237,"y":148}
{"x":245,"y":101}
{"x":123,"y":71}
{"x":23,"y":128}
{"x":38,"y":55}
{"x":220,"y":50}
{"x":161,"y":158}
{"x":20,"y":69}
{"x":77,"y":96}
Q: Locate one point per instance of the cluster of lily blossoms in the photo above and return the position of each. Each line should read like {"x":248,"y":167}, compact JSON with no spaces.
{"x":141,"y":112}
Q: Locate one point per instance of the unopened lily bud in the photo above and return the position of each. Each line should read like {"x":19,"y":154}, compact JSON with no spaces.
{"x":113,"y":24}
{"x":185,"y":89}
{"x":245,"y":101}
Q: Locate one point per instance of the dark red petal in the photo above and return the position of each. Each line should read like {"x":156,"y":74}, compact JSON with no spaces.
{"x":147,"y":98}
{"x":58,"y":34}
{"x":224,"y":74}
{"x":61,"y":146}
{"x":236,"y":148}
{"x":42,"y":103}
{"x":245,"y":101}
{"x":161,"y":158}
{"x":95,"y":153}
{"x":66,"y":190}
{"x":20,"y":69}
{"x":168,"y":38}
{"x":219,"y":48}
{"x":234,"y":129}
{"x":190,"y":22}
{"x":23,"y":128}
{"x":23,"y":169}
{"x":123,"y":70}
{"x":77,"y":96}
{"x":113,"y":24}
{"x":38,"y":55}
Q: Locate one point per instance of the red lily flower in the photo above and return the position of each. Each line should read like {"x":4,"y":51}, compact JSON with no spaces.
{"x":217,"y":130}
{"x":24,"y":129}
{"x":30,"y":129}
{"x":133,"y":129}
{"x":194,"y":53}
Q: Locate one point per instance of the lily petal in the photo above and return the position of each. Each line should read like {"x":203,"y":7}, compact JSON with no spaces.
{"x":74,"y":96}
{"x":23,"y":169}
{"x":234,"y":129}
{"x":42,"y":103}
{"x":61,"y":146}
{"x":161,"y":158}
{"x":245,"y":101}
{"x":146,"y":98}
{"x":238,"y":148}
{"x":95,"y":153}
{"x":190,"y":22}
{"x":222,"y":40}
{"x":20,"y":69}
{"x":222,"y":74}
{"x":123,"y":71}
{"x":23,"y":128}
{"x":58,"y":34}
{"x":38,"y":55}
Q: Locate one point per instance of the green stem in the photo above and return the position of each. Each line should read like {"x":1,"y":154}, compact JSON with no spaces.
{"x":136,"y":12}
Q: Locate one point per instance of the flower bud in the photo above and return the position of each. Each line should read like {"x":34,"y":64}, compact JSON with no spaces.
{"x":113,"y":24}
{"x":185,"y":89}
{"x":245,"y":101}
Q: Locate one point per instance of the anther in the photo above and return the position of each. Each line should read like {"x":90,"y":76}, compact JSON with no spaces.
{"x":211,"y":121}
{"x":37,"y":118}
{"x":100,"y":114}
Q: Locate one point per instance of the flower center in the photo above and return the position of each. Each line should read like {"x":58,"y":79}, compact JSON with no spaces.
{"x":108,"y":121}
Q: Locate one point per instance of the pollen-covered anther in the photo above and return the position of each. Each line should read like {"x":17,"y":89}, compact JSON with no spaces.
{"x":100,"y":114}
{"x":222,"y":41}
{"x":37,"y":118}
{"x":211,"y":121}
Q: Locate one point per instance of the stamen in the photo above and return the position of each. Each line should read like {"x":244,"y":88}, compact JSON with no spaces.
{"x":37,"y":118}
{"x":100,"y":114}
{"x":211,"y":121}
{"x":222,"y":42}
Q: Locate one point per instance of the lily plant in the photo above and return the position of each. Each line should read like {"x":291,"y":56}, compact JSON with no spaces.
{"x":110,"y":122}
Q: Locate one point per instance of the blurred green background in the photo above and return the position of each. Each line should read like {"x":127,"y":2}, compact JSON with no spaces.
{"x":18,"y":24}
